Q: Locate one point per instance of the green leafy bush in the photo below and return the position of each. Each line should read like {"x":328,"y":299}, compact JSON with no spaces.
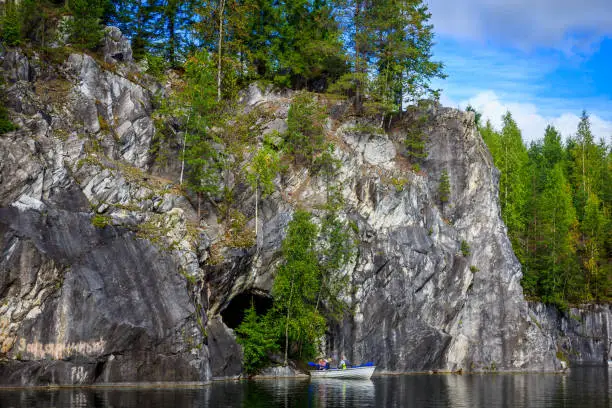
{"x":256,"y":339}
{"x":5,"y":122}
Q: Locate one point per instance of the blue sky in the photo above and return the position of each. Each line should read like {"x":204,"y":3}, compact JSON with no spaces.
{"x":544,"y":60}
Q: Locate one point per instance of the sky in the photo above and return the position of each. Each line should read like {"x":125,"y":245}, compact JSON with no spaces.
{"x":543,"y":60}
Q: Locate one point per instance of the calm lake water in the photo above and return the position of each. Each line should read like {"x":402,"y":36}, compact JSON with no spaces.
{"x":583,"y":387}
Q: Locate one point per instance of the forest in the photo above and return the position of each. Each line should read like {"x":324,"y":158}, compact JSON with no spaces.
{"x":556,"y":198}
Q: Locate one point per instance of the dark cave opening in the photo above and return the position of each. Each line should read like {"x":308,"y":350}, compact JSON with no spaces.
{"x":233,"y":314}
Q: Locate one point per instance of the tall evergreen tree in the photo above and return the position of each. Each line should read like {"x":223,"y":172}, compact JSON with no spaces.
{"x":582,"y":153}
{"x":512,"y":160}
{"x":593,"y":236}
{"x":136,"y":19}
{"x":391,"y":53}
{"x":557,"y":226}
{"x":86,"y":24}
{"x":309,"y":47}
{"x":199,"y":98}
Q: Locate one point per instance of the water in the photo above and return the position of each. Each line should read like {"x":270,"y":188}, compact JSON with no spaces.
{"x":583,"y":387}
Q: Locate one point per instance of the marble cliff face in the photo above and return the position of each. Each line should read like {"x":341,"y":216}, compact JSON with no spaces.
{"x":104,"y":278}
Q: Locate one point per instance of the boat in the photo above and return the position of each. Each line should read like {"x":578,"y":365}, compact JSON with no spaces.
{"x":362,"y":372}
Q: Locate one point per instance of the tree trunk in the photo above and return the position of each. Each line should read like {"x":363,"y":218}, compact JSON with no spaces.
{"x":287,"y":325}
{"x":199,"y":206}
{"x":219,"y":50}
{"x":184,"y":147}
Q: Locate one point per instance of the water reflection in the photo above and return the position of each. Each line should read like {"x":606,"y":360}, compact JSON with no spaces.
{"x":341,"y":393}
{"x":583,"y":387}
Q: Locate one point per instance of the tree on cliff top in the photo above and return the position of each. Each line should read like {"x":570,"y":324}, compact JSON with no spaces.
{"x":85,"y":26}
{"x":391,"y":60}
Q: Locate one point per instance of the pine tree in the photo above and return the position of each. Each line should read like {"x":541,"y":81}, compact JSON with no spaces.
{"x":85,"y":26}
{"x":552,"y":148}
{"x":309,"y":48}
{"x":305,"y":136}
{"x":391,"y":61}
{"x":199,"y":98}
{"x":513,"y":185}
{"x":492,"y":139}
{"x":257,"y":340}
{"x":557,"y":226}
{"x":135,"y":19}
{"x":444,"y":188}
{"x":592,"y":248}
{"x":582,"y":153}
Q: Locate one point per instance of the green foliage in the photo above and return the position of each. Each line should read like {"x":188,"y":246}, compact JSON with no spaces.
{"x":391,"y":40}
{"x":263,"y":169}
{"x":399,"y":183}
{"x":557,"y":211}
{"x":338,"y":249}
{"x":477,"y":116}
{"x":325,"y":164}
{"x":297,"y":283}
{"x":309,"y":47}
{"x":10,"y":24}
{"x":444,"y":188}
{"x":291,"y":44}
{"x":85,"y":27}
{"x":305,"y":136}
{"x":512,"y":159}
{"x":416,"y":132}
{"x":257,"y":339}
{"x":136,"y":19}
{"x":465,"y":248}
{"x":100,"y":221}
{"x":159,"y":27}
{"x":197,"y":104}
{"x":156,"y":65}
{"x":307,"y":290}
{"x":5,"y":122}
{"x":474,"y":268}
{"x":237,"y":235}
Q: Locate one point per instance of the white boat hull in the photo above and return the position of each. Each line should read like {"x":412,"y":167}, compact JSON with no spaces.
{"x":361,"y":373}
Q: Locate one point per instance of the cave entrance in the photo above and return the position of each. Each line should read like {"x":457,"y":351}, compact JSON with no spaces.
{"x":233,"y":314}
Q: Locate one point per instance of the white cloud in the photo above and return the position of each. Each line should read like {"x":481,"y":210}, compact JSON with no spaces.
{"x":568,"y":25}
{"x":529,"y":119}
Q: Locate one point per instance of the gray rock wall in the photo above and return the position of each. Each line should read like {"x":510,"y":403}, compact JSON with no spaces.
{"x":417,"y":302}
{"x":94,"y":250}
{"x":582,"y":335}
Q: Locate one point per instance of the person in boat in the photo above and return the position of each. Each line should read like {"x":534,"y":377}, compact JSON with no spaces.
{"x":323,"y":364}
{"x":343,"y":363}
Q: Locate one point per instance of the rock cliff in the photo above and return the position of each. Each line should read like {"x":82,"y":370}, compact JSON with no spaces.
{"x":106,"y":274}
